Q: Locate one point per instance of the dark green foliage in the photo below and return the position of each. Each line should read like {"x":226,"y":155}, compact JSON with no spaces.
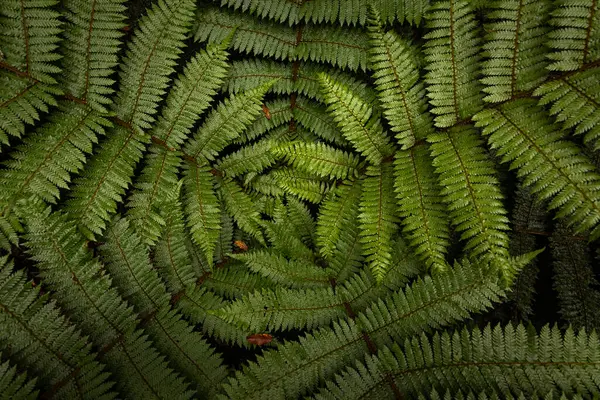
{"x":249,"y":199}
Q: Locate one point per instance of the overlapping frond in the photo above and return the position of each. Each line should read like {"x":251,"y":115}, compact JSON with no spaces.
{"x":452,"y":55}
{"x":92,"y":40}
{"x":35,"y":332}
{"x":554,"y":168}
{"x":470,"y":188}
{"x":575,"y":38}
{"x":357,"y":120}
{"x":514,"y":48}
{"x":16,"y":385}
{"x":305,"y":185}
{"x":575,"y":101}
{"x":507,"y":360}
{"x":240,"y":206}
{"x":401,"y":92}
{"x":420,"y":205}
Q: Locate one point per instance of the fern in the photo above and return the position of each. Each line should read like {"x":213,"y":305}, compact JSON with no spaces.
{"x":15,"y":386}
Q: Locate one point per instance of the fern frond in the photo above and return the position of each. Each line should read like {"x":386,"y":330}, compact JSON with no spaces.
{"x":318,"y":159}
{"x":30,"y":39}
{"x":16,"y":385}
{"x":554,"y":168}
{"x":507,"y":360}
{"x":299,"y":217}
{"x":226,"y":123}
{"x":514,"y":48}
{"x":201,"y":207}
{"x":235,"y":281}
{"x":36,"y":333}
{"x":400,"y":91}
{"x":252,"y":158}
{"x":127,"y":261}
{"x":82,"y":289}
{"x":574,"y":281}
{"x":280,"y":111}
{"x":347,"y":257}
{"x":150,"y":59}
{"x":43,"y":164}
{"x":576,"y":35}
{"x":315,"y":118}
{"x":225,"y":240}
{"x":8,"y":234}
{"x":296,"y":367}
{"x":377,"y":218}
{"x":171,"y":256}
{"x":575,"y":101}
{"x":451,"y":52}
{"x":498,"y":394}
{"x":107,"y":174}
{"x":285,"y":239}
{"x":92,"y":40}
{"x":306,"y":186}
{"x":471,"y":190}
{"x":357,"y":120}
{"x":290,"y":273}
{"x":420,"y":205}
{"x":240,"y":207}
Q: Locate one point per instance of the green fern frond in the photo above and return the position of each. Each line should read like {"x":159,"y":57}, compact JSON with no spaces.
{"x":92,"y":40}
{"x":252,"y":158}
{"x":290,"y":273}
{"x":235,"y":281}
{"x":575,"y":101}
{"x":201,"y":207}
{"x":127,"y":261}
{"x":280,"y":111}
{"x":299,"y":217}
{"x":29,"y":37}
{"x":226,"y":123}
{"x":318,"y":159}
{"x":16,"y":385}
{"x":36,"y":333}
{"x":420,"y":205}
{"x":497,"y":395}
{"x":240,"y":207}
{"x":150,"y":60}
{"x":452,"y":56}
{"x":296,"y":367}
{"x":306,"y":186}
{"x":514,"y":48}
{"x":285,"y":239}
{"x":315,"y":118}
{"x":43,"y":164}
{"x":357,"y":120}
{"x":400,"y":91}
{"x":473,"y":198}
{"x":554,"y":168}
{"x":85,"y":291}
{"x":377,"y":218}
{"x":508,"y":360}
{"x":8,"y":234}
{"x":576,"y":35}
{"x":574,"y":281}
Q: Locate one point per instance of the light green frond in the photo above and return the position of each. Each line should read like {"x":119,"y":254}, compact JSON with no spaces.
{"x":338,"y":214}
{"x":284,"y":309}
{"x":514,"y":48}
{"x":251,"y":158}
{"x":306,"y":186}
{"x":150,"y":60}
{"x":471,"y":190}
{"x":554,"y":168}
{"x":235,"y":281}
{"x":575,"y":38}
{"x":16,"y":385}
{"x":299,"y":217}
{"x":315,"y":118}
{"x":318,"y":159}
{"x":107,"y":174}
{"x":226,"y":122}
{"x":280,"y":112}
{"x":289,"y":273}
{"x":347,"y":258}
{"x":507,"y":360}
{"x":202,"y":210}
{"x":575,"y":101}
{"x":452,"y":56}
{"x":240,"y":207}
{"x":171,"y":256}
{"x":83,"y":289}
{"x":377,"y":218}
{"x":43,"y":164}
{"x":401,"y":92}
{"x":285,"y":239}
{"x":357,"y":120}
{"x":35,"y":333}
{"x":420,"y":205}
{"x":92,"y":40}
